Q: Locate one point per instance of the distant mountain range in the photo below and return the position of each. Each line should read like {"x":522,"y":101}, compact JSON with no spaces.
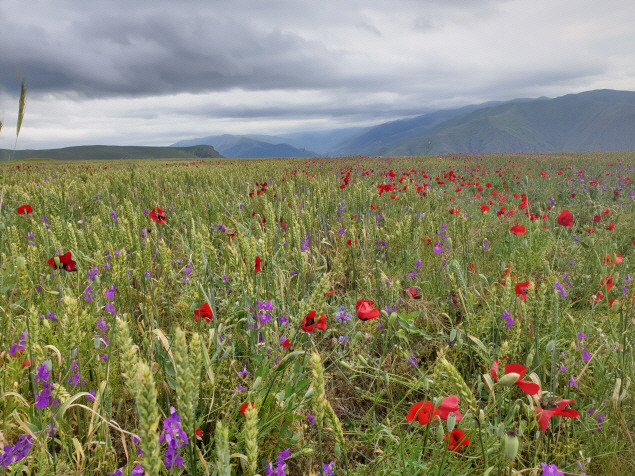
{"x":600,"y":120}
{"x":113,"y":152}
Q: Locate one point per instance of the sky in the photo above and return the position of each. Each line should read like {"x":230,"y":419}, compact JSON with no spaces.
{"x":155,"y":72}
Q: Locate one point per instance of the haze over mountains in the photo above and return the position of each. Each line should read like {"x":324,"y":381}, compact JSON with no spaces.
{"x":600,"y":120}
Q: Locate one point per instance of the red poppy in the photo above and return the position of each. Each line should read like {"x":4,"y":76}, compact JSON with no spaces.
{"x":257,"y":265}
{"x":415,"y":293}
{"x":565,"y":219}
{"x":456,"y":439}
{"x":423,"y":412}
{"x":608,"y":282}
{"x":606,"y":211}
{"x":244,"y":406}
{"x":521,"y":290}
{"x":517,"y":230}
{"x":286,"y":344}
{"x":530,"y":388}
{"x":309,"y":324}
{"x":25,"y":210}
{"x":199,"y":433}
{"x":205,"y":311}
{"x":350,"y":243}
{"x":611,"y":227}
{"x":157,"y":215}
{"x":609,"y":261}
{"x":426,"y":411}
{"x":597,"y":218}
{"x":366,"y":311}
{"x":484,"y":208}
{"x":66,"y":262}
{"x":450,"y":405}
{"x":543,"y":415}
{"x":330,"y":293}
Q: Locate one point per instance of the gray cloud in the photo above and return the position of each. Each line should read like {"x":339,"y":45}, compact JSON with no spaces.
{"x":253,"y":66}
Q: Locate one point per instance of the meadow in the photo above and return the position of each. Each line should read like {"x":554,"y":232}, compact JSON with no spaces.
{"x":445,"y":315}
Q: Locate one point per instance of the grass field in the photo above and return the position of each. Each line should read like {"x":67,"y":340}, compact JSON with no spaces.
{"x":327,"y":316}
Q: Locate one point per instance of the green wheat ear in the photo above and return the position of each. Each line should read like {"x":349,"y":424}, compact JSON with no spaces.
{"x":21,"y":108}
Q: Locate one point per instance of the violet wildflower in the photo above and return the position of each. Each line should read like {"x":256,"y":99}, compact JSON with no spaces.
{"x":280,"y":469}
{"x":110,"y":308}
{"x":110,"y":293}
{"x":17,"y":452}
{"x":343,"y":315}
{"x":509,"y":320}
{"x":20,"y":345}
{"x":92,"y":274}
{"x":550,"y":470}
{"x":327,"y":469}
{"x":175,"y":437}
{"x":137,"y":471}
{"x":44,"y":399}
{"x":305,"y":244}
{"x":88,"y":294}
{"x":438,"y":249}
{"x":119,"y":471}
{"x":311,"y":417}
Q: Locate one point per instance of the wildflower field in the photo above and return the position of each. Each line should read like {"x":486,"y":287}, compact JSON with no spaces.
{"x":391,"y":316}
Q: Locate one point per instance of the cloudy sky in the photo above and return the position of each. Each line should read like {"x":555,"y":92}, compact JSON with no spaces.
{"x":154,"y":72}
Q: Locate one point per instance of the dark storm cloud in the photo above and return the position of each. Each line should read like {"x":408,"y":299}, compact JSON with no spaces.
{"x":126,"y":72}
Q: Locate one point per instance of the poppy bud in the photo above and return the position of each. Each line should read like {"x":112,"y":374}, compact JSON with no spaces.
{"x":509,"y":379}
{"x":481,"y":417}
{"x":57,"y":262}
{"x":511,"y":446}
{"x":451,"y":421}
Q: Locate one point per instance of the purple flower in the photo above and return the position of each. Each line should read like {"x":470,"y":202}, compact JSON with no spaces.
{"x":573,"y":382}
{"x":305,"y":244}
{"x":110,"y":308}
{"x":119,"y":471}
{"x":509,"y":320}
{"x":244,"y":371}
{"x":311,"y":417}
{"x":343,"y":315}
{"x":327,"y":469}
{"x":88,"y":294}
{"x":17,"y":452}
{"x":110,"y":293}
{"x":438,"y":249}
{"x":550,"y":470}
{"x":20,"y":345}
{"x":137,"y":471}
{"x":175,"y":437}
{"x":92,"y":274}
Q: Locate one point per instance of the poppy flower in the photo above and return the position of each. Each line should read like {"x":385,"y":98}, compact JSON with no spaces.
{"x":366,"y":311}
{"x":609,"y":261}
{"x":543,"y":415}
{"x":286,"y":344}
{"x":521,"y":290}
{"x":456,"y":438}
{"x":606,"y":211}
{"x":309,"y":324}
{"x":25,"y":210}
{"x":484,"y":208}
{"x":426,"y":411}
{"x":205,"y":311}
{"x":529,"y":388}
{"x":422,"y":411}
{"x":244,"y":406}
{"x":349,"y":242}
{"x":199,"y":433}
{"x":330,"y":293}
{"x":565,"y":219}
{"x":257,"y":265}
{"x":608,"y":282}
{"x":65,"y":262}
{"x":517,"y":230}
{"x":415,"y":293}
{"x":611,"y":227}
{"x":597,"y":218}
{"x":157,"y":215}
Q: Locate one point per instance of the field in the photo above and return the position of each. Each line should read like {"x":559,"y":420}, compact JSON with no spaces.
{"x":435,"y":315}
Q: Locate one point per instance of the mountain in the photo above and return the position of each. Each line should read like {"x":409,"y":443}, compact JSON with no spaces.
{"x":110,"y":152}
{"x":600,"y":120}
{"x":248,"y":147}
